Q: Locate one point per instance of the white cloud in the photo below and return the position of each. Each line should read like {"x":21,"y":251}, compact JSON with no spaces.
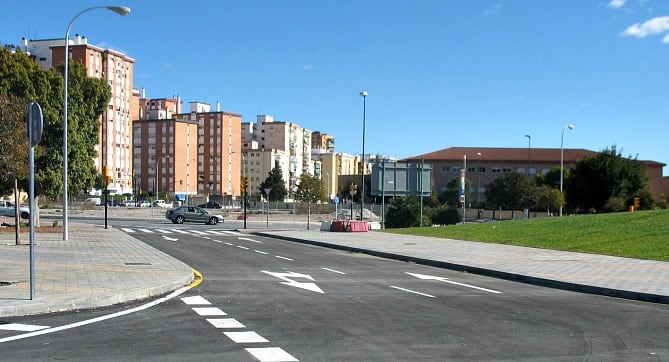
{"x":665,"y":39}
{"x":308,"y":67}
{"x":652,"y":26}
{"x":616,"y":4}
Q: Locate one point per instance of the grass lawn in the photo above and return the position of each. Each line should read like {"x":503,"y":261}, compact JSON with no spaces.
{"x":641,"y":234}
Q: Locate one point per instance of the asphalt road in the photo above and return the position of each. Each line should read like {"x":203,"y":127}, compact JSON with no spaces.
{"x":312,"y":304}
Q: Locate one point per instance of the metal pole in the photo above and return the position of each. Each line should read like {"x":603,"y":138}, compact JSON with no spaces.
{"x":422,"y":164}
{"x":570,"y":126}
{"x":362,"y":161}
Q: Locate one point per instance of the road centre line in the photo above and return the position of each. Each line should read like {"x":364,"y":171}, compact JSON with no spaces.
{"x":261,"y":252}
{"x":283,"y":257}
{"x":242,"y":247}
{"x":412,"y":291}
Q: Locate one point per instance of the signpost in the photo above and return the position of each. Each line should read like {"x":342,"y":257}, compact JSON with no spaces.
{"x":267,"y":191}
{"x":35,"y":125}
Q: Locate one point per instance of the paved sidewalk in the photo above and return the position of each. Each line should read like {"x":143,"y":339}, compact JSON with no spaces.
{"x":629,"y":278}
{"x":96,"y":267}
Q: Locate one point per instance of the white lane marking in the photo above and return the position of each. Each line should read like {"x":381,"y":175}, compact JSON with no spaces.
{"x":169,"y":238}
{"x":21,"y":327}
{"x":227,"y":243}
{"x":271,"y":354}
{"x":225,"y":323}
{"x":180,"y":231}
{"x":445,"y":280}
{"x":198,"y":232}
{"x":129,"y":231}
{"x":283,"y":257}
{"x":174,"y":294}
{"x":163,"y":231}
{"x":413,"y":291}
{"x":249,"y":239}
{"x":246,"y":337}
{"x":334,"y":271}
{"x":261,"y":252}
{"x":216,"y":232}
{"x":232,"y":232}
{"x":243,"y":247}
{"x":287,"y":276}
{"x":146,"y":231}
{"x":209,"y":311}
{"x":196,"y":300}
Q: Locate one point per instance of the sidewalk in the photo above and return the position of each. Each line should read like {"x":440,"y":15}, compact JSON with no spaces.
{"x":637,"y":279}
{"x":96,"y":267}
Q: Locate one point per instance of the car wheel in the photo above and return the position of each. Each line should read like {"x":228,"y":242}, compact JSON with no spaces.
{"x":179,"y":220}
{"x":25,"y":215}
{"x":213,"y":221}
{"x":174,"y":221}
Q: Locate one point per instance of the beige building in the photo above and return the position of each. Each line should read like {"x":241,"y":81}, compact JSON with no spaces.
{"x":484,"y":164}
{"x":115,"y":139}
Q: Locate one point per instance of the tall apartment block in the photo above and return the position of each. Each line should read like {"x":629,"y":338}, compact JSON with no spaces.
{"x":114,"y":146}
{"x":183,"y":155}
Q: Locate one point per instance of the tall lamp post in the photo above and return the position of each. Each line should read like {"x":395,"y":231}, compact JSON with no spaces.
{"x":121,"y":10}
{"x":478,"y":186}
{"x":569,"y":126}
{"x":529,"y":152}
{"x":363,"y":94}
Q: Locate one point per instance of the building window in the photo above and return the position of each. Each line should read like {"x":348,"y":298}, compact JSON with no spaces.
{"x":471,"y":169}
{"x":506,"y":170}
{"x":496,"y":170}
{"x":446,"y":169}
{"x":481,"y":169}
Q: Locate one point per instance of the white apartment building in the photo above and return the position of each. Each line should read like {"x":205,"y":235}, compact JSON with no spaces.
{"x":114,"y":146}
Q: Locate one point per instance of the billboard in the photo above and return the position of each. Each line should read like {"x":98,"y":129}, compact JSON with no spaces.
{"x":401,"y":179}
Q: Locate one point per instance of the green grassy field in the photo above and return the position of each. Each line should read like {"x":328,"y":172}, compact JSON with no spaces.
{"x":641,"y":234}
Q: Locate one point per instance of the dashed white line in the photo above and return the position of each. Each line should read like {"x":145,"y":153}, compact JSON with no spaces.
{"x":334,"y":271}
{"x":271,"y":354}
{"x":209,"y":311}
{"x":283,"y":257}
{"x":261,"y":252}
{"x":230,"y":244}
{"x":242,"y":247}
{"x":246,"y":337}
{"x":413,"y":291}
{"x":196,"y":300}
{"x":249,"y":239}
{"x":21,"y":327}
{"x":225,"y":323}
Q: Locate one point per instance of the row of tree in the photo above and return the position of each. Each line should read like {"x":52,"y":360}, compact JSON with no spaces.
{"x":23,"y":81}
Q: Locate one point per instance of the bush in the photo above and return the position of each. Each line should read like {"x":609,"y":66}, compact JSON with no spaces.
{"x":614,"y":204}
{"x":403,"y":212}
{"x":444,"y":215}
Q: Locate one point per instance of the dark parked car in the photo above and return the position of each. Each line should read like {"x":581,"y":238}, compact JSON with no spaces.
{"x":192,"y":214}
{"x":210,"y":205}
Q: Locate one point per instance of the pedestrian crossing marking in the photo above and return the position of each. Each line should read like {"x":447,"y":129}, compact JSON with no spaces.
{"x":209,"y":311}
{"x":180,"y":231}
{"x":274,"y":354}
{"x":21,"y":327}
{"x":129,"y":231}
{"x":196,"y":300}
{"x":246,"y":337}
{"x":146,"y":231}
{"x":225,"y":323}
{"x":163,"y":231}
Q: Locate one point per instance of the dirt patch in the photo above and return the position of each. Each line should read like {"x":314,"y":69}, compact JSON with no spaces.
{"x":26,"y":229}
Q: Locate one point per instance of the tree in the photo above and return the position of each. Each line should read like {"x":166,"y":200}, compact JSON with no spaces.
{"x":13,"y":142}
{"x":22,"y":78}
{"x":309,"y":190}
{"x":451,"y":195}
{"x":596,"y":179}
{"x":549,"y":198}
{"x":511,"y":191}
{"x":275,"y":182}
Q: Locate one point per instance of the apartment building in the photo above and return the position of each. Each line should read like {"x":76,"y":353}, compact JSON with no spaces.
{"x":484,"y":164}
{"x":183,"y":155}
{"x":114,"y":146}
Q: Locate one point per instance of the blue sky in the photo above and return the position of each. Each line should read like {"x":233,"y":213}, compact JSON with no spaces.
{"x":438,"y":73}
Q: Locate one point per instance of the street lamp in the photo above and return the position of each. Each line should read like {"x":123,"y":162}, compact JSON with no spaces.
{"x":478,"y":186}
{"x":363,"y":94}
{"x":529,"y":153}
{"x":570,"y":126}
{"x":121,"y":10}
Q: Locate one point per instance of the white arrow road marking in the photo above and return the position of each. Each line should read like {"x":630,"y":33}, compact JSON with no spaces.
{"x":249,"y":239}
{"x":290,"y":282}
{"x":169,"y":238}
{"x":445,"y":280}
